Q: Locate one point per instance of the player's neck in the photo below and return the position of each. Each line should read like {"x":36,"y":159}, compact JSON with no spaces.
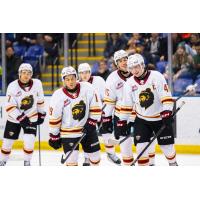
{"x":72,"y":90}
{"x":28,"y":84}
{"x":143,"y":76}
{"x":124,"y":74}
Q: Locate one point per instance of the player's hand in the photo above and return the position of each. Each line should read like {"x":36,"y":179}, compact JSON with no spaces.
{"x":90,"y":126}
{"x":23,"y":120}
{"x":55,"y":141}
{"x":167,"y":118}
{"x":121,"y":129}
{"x":41,"y":118}
{"x":107,"y":125}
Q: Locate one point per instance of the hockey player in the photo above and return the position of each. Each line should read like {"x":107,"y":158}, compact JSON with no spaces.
{"x":25,"y":109}
{"x":149,"y":92}
{"x":112,"y":100}
{"x":84,"y":72}
{"x":74,"y":110}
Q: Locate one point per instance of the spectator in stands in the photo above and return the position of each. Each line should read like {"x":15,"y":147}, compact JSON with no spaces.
{"x":176,"y":39}
{"x":114,"y":43}
{"x":181,"y":62}
{"x":196,"y":58}
{"x":12,"y":64}
{"x":103,"y":70}
{"x":26,"y":39}
{"x":51,"y":48}
{"x":157,"y":47}
{"x":133,"y":41}
{"x":140,"y":48}
{"x":194,"y":39}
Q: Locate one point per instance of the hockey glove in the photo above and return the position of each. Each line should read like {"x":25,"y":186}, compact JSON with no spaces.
{"x":23,"y":120}
{"x":90,"y":126}
{"x":107,"y":125}
{"x":121,"y":129}
{"x":41,"y":118}
{"x":55,"y":141}
{"x":167,"y":118}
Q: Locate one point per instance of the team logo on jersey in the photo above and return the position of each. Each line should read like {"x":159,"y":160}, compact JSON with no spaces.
{"x":78,"y":111}
{"x":18,"y":94}
{"x":134,"y":88}
{"x":27,"y":102}
{"x":67,"y":102}
{"x":119,"y":85}
{"x":146,"y":98}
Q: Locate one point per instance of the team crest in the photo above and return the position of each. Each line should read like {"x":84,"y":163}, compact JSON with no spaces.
{"x":134,"y":88}
{"x":146,"y":98}
{"x":18,"y":94}
{"x":119,"y":85}
{"x":78,"y":111}
{"x":67,"y":102}
{"x":27,"y":102}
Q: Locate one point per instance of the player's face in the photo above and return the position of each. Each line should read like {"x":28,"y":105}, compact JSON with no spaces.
{"x":70,"y":81}
{"x":137,"y":70}
{"x":122,"y":64}
{"x":84,"y":76}
{"x":25,"y":76}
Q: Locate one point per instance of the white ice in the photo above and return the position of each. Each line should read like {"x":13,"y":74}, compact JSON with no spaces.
{"x":52,"y":158}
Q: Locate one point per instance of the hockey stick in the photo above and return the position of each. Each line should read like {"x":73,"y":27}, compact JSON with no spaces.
{"x":39,"y":147}
{"x":63,"y":158}
{"x":118,"y":142}
{"x":156,"y":135}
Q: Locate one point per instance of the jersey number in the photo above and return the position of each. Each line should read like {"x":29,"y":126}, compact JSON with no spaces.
{"x":166,"y":88}
{"x":50,"y":111}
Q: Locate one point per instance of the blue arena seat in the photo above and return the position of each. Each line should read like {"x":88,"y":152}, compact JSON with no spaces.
{"x":180,"y":85}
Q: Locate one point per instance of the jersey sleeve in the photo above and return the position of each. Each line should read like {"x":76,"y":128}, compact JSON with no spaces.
{"x":127,"y":112}
{"x":40,"y":102}
{"x":109,"y":98}
{"x":55,"y":114}
{"x":164,"y":93}
{"x":95,"y":107}
{"x":11,"y":104}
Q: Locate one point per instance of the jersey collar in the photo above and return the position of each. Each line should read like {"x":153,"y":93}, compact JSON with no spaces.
{"x":142,"y":81}
{"x":123,"y":77}
{"x":91,"y":79}
{"x":23,"y":87}
{"x":72,"y":96}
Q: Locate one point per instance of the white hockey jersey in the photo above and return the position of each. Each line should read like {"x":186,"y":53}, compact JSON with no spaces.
{"x":99,"y":84}
{"x":69,"y":113}
{"x":113,"y":93}
{"x":150,"y":97}
{"x":29,"y":100}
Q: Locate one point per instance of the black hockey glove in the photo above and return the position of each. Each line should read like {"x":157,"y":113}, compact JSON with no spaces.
{"x":121,"y":129}
{"x":90,"y":126}
{"x":23,"y":120}
{"x":41,"y":118}
{"x":130,"y":126}
{"x":55,"y":141}
{"x":167,"y":118}
{"x":107,"y":125}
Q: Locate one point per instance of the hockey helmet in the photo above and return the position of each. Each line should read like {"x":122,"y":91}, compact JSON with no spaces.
{"x":119,"y":54}
{"x":25,"y":66}
{"x":135,"y":60}
{"x":84,"y":67}
{"x":68,"y":71}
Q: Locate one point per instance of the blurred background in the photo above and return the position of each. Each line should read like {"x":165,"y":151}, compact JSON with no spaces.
{"x":176,"y":55}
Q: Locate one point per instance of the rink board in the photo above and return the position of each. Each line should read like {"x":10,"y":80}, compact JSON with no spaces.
{"x":188,"y":126}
